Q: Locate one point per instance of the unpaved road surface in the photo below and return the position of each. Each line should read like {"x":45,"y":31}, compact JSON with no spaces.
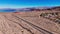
{"x":27,"y":23}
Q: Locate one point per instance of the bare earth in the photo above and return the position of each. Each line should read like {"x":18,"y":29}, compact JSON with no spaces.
{"x":27,"y":23}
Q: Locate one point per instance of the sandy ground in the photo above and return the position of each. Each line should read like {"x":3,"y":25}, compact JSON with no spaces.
{"x":27,"y":23}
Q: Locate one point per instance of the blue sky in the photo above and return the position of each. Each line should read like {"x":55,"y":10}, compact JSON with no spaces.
{"x":28,"y":3}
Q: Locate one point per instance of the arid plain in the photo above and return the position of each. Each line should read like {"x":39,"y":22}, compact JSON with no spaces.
{"x":29,"y":23}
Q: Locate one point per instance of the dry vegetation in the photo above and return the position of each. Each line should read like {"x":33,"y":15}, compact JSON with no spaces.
{"x":54,"y":16}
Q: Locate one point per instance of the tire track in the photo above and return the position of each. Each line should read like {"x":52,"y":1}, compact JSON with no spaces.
{"x":19,"y":25}
{"x":34,"y":26}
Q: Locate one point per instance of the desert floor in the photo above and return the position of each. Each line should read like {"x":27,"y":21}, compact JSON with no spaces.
{"x":27,"y":23}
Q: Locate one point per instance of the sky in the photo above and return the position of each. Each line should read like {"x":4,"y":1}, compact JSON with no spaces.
{"x":28,"y":3}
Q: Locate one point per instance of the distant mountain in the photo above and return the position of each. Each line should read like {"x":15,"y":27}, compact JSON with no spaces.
{"x":30,"y":9}
{"x":56,"y":8}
